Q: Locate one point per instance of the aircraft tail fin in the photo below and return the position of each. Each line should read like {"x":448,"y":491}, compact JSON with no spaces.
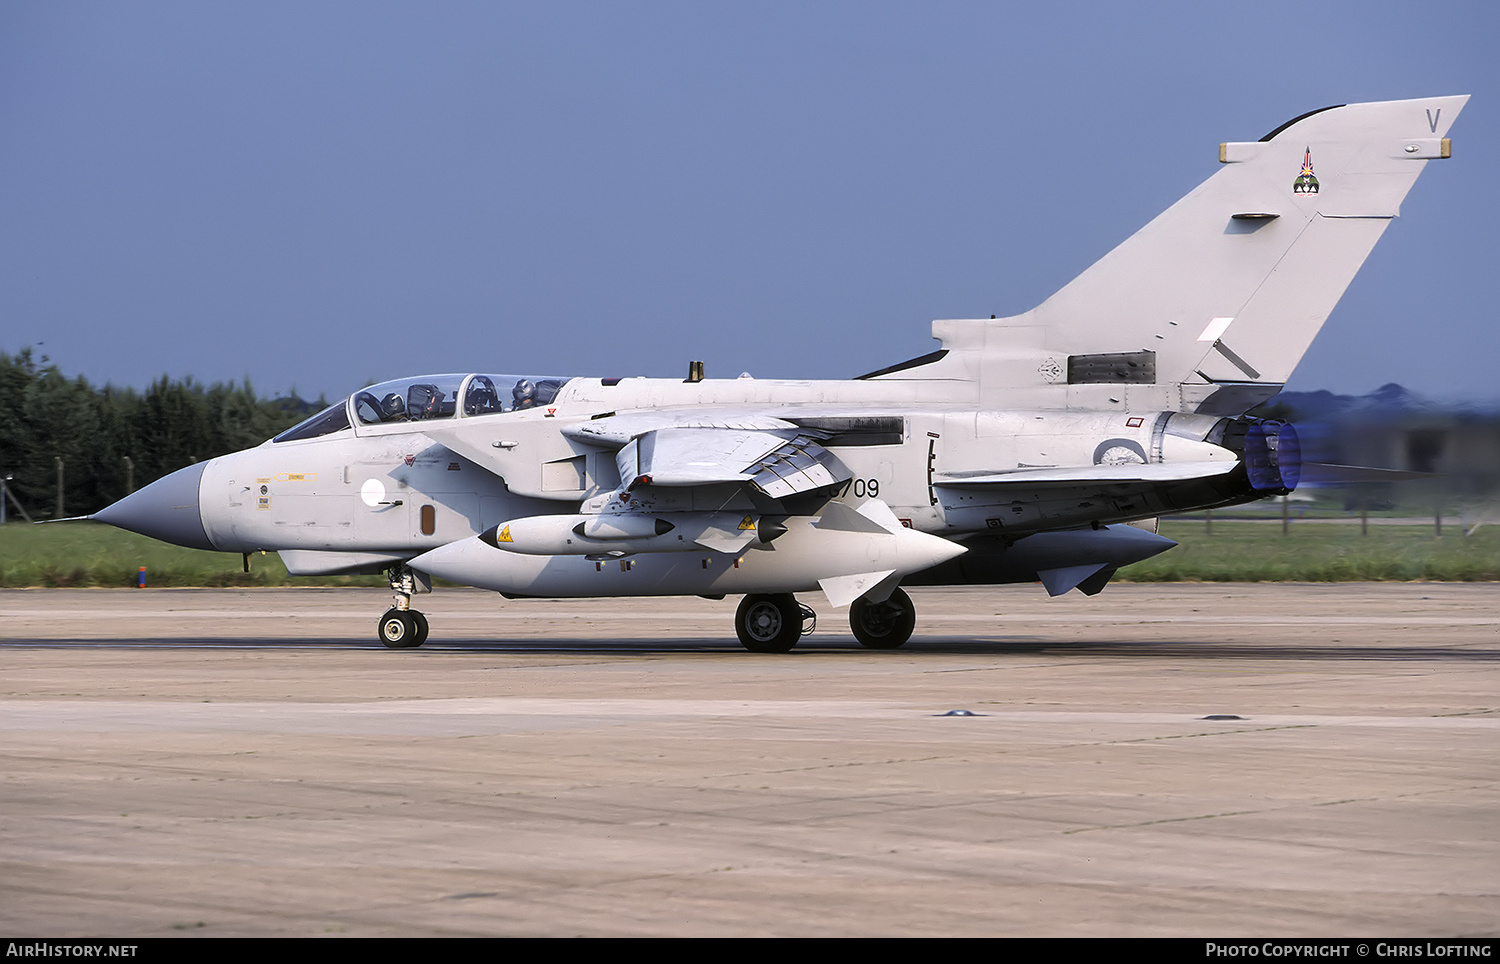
{"x":1210,"y":306}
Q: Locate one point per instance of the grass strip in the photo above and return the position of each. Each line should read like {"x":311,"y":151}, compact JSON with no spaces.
{"x":89,"y":554}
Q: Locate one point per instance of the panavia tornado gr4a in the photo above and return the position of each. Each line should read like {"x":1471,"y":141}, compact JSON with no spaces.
{"x":1016,"y":452}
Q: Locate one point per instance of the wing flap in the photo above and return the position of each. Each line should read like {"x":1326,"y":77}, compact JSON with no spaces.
{"x":799,"y":465}
{"x":779,"y":464}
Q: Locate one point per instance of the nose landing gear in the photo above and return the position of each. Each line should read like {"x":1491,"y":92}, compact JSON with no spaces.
{"x":403,"y":627}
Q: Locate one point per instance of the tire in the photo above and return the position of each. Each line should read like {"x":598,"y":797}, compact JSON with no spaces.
{"x":399,"y":629}
{"x":768,"y":623}
{"x":883,"y":625}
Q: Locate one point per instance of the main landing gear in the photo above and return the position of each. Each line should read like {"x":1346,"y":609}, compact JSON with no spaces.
{"x":883,"y":625}
{"x":773,"y":622}
{"x":402,"y":627}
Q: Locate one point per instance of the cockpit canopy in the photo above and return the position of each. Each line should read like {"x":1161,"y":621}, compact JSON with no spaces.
{"x":426,"y":397}
{"x":408,"y":399}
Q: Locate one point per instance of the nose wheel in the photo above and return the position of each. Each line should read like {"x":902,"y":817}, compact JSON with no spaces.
{"x":402,"y":628}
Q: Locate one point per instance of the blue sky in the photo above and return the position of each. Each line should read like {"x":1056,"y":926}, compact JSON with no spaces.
{"x":315,"y":195}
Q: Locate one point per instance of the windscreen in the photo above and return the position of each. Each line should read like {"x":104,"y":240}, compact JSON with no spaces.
{"x":326,"y":422}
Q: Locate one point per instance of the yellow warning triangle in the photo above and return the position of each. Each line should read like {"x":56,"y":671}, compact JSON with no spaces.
{"x":748,"y":523}
{"x":504,"y":535}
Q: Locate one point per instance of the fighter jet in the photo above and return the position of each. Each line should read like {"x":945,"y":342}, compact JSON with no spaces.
{"x":1021,"y":450}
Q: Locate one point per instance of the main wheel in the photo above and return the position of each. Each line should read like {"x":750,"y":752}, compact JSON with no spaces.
{"x":402,"y":628}
{"x":768,"y":623}
{"x":883,"y":625}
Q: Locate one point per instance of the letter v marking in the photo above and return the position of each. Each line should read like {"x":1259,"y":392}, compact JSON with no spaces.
{"x":1432,"y":119}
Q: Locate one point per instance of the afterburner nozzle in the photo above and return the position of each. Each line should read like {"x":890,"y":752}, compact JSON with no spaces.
{"x":1273,"y":457}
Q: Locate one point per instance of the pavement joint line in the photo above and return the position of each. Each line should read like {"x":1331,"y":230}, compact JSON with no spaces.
{"x":1162,"y":820}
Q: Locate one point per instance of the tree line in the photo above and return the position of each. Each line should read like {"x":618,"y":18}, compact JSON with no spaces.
{"x":114,"y":440}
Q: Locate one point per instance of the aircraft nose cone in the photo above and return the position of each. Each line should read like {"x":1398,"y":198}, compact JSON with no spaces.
{"x":167,"y":509}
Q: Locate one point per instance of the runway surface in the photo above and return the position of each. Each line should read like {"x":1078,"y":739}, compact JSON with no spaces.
{"x":252,"y":762}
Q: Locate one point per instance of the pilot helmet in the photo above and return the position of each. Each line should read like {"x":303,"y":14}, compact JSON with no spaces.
{"x":524,"y":391}
{"x":392,"y":406}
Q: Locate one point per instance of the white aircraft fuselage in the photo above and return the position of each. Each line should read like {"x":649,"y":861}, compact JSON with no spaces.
{"x":1019,"y":451}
